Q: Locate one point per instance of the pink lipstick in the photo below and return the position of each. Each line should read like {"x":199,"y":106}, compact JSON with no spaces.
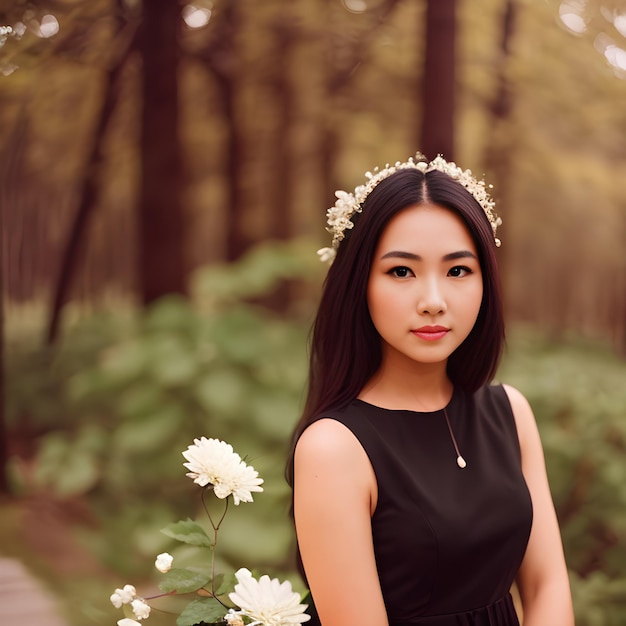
{"x":431,"y":333}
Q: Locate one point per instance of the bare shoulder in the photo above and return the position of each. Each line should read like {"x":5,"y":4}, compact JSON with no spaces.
{"x":519,"y":404}
{"x":524,"y":418}
{"x":330,"y":461}
{"x":327,"y":441}
{"x":516,"y":398}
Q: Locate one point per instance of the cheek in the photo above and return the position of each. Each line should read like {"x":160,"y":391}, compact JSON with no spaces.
{"x":476,"y":303}
{"x":380,"y":303}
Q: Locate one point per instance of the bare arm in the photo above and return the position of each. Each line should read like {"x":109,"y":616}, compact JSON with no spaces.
{"x":543,"y":581}
{"x":335,"y":492}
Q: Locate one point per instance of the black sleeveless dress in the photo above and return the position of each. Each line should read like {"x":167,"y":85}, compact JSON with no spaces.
{"x":448,"y":541}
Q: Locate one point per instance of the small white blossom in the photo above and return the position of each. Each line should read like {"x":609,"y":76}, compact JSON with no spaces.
{"x":233,"y":618}
{"x":326,"y":255}
{"x":267,"y":602}
{"x":123,"y":596}
{"x":140,"y":608}
{"x":164,"y":562}
{"x":213,"y":462}
{"x":116,"y":601}
{"x":127,"y":622}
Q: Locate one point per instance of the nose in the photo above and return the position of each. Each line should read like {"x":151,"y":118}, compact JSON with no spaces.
{"x":431,"y":299}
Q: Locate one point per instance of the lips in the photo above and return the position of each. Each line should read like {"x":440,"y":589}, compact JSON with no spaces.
{"x":431,"y":333}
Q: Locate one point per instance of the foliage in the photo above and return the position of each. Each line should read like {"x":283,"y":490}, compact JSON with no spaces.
{"x":114,"y":408}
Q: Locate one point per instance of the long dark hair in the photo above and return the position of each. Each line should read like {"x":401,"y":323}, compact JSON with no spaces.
{"x":345,"y":347}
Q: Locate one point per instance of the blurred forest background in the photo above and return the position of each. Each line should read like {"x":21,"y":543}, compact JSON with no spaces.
{"x":165,"y":168}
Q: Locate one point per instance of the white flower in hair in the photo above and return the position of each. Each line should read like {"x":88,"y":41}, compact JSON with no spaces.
{"x":213,"y":462}
{"x":327,"y":255}
{"x":339,"y":216}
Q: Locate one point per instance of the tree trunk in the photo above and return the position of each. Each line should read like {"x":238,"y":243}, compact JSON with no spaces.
{"x":281,"y":222}
{"x":220,"y":56}
{"x":11,"y":163}
{"x":4,"y":444}
{"x":497,"y":161}
{"x":438,"y":86}
{"x":338,"y":80}
{"x":90,"y":189}
{"x":162,"y":267}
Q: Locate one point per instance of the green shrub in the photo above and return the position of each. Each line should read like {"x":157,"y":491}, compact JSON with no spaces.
{"x":111,"y":410}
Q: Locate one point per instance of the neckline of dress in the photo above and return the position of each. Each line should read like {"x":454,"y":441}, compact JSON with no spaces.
{"x":447,"y":407}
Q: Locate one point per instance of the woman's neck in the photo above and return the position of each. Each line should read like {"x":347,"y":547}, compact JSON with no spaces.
{"x":417,"y":387}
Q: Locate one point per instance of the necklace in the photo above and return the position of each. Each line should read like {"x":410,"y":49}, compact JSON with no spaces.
{"x":460,"y":461}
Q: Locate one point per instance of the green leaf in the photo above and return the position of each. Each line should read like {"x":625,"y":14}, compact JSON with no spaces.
{"x":224,"y":583}
{"x":183,"y":580}
{"x":204,"y":610}
{"x":189,"y":532}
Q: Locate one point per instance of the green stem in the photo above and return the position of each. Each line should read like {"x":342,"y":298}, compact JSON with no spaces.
{"x":161,"y":595}
{"x":216,"y":528}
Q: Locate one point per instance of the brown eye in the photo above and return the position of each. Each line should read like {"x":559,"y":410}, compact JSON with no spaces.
{"x":459,"y":270}
{"x":400,"y":272}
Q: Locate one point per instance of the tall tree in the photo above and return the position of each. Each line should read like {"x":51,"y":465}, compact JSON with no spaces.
{"x":162,"y":267}
{"x":499,"y":149}
{"x":438,"y":86}
{"x":220,"y":56}
{"x":281,"y":218}
{"x":339,"y":79}
{"x":90,"y":185}
{"x":4,"y":447}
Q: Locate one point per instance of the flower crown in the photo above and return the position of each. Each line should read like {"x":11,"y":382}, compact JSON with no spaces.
{"x":347,"y":204}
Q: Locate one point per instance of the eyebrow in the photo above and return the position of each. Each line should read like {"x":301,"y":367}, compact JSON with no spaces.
{"x":452,"y":256}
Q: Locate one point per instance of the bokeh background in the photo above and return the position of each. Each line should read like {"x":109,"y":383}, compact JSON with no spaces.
{"x":165,"y":168}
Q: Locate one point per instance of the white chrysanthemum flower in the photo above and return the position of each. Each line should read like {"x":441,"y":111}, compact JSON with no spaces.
{"x":164,"y":562}
{"x":213,"y":462}
{"x":127,"y":622}
{"x":140,"y":608}
{"x":123,"y":596}
{"x":268,"y":602}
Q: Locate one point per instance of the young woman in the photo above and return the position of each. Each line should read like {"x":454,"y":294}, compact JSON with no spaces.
{"x":420,"y":490}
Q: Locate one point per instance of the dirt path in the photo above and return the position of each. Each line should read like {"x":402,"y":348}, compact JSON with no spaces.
{"x":39,"y":547}
{"x":23,"y":599}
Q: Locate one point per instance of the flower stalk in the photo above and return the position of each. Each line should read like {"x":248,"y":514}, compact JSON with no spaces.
{"x":218,"y":469}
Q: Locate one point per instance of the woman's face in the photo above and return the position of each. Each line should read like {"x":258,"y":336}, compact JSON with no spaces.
{"x":425,"y":286}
